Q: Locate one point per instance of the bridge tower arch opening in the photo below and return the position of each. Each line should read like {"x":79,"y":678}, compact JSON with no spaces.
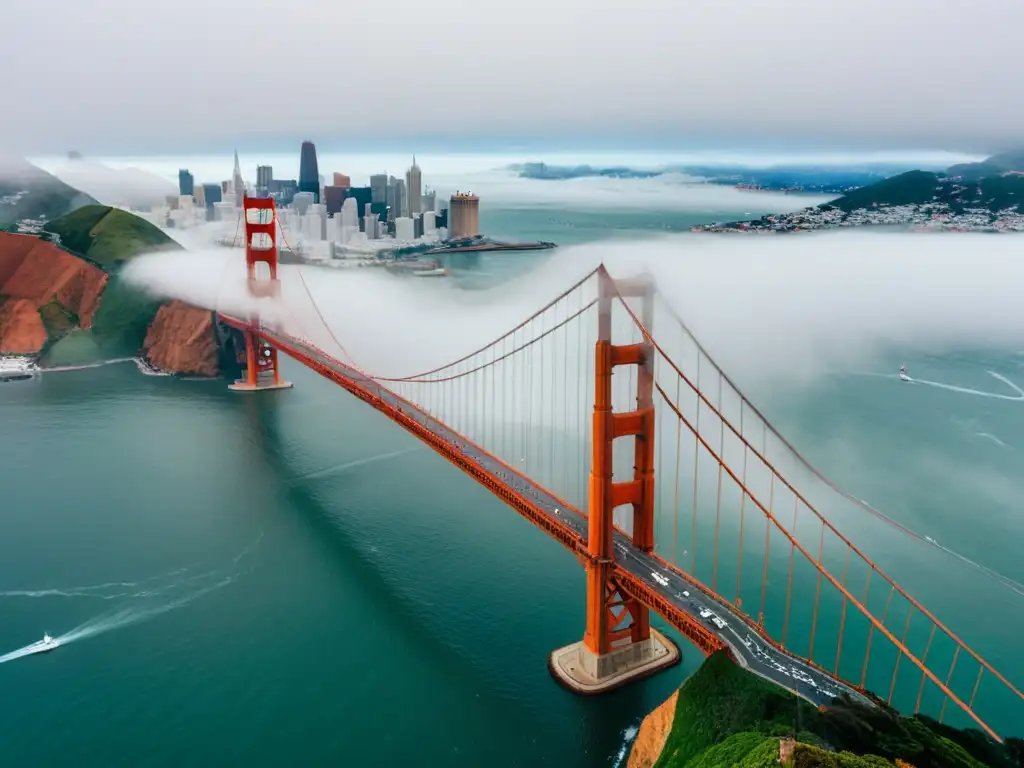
{"x":618,"y":643}
{"x":261,"y":364}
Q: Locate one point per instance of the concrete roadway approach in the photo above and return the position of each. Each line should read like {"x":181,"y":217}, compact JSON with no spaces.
{"x":749,"y":649}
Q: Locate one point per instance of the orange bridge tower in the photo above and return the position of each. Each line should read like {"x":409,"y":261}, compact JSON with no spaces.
{"x":618,"y":644}
{"x":260,"y":248}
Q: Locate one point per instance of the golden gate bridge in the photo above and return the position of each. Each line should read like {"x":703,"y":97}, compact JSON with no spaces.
{"x":607,"y":373}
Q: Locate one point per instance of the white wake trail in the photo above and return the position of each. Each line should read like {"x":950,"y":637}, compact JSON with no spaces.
{"x":119,"y":618}
{"x":127,"y":616}
{"x":953,"y":388}
{"x":102,"y":591}
{"x":357,"y":463}
{"x":91,"y":590}
{"x":132,"y":614}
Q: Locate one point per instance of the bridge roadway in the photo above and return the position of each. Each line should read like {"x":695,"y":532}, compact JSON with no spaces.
{"x":748,"y":648}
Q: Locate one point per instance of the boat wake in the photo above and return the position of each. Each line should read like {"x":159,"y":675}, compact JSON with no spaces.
{"x":357,"y":463}
{"x":99,"y":591}
{"x":953,"y":388}
{"x":133,"y":615}
{"x":121,"y":617}
{"x":149,"y":587}
{"x":142,"y":600}
{"x":993,"y":438}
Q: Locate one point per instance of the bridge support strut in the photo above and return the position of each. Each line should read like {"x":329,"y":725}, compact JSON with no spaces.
{"x":618,"y":644}
{"x":261,"y":371}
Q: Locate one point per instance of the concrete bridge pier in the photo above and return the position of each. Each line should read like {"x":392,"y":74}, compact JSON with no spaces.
{"x":582,"y":671}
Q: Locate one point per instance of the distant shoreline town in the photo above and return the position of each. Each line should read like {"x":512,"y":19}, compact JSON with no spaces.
{"x":918,"y":218}
{"x":916,"y":200}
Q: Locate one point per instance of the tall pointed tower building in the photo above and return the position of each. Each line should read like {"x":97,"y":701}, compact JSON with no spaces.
{"x":237,"y":183}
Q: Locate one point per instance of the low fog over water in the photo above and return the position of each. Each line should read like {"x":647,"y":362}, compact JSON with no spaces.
{"x":767,"y":307}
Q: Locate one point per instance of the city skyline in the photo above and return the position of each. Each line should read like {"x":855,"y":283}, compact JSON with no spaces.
{"x":329,"y":217}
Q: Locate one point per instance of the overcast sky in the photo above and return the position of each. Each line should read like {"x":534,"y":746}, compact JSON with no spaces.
{"x":145,"y":76}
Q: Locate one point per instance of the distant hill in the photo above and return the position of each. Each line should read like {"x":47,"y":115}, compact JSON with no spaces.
{"x":108,"y":236}
{"x":126,"y":187}
{"x":28,"y":192}
{"x":992,"y":166}
{"x":726,"y":717}
{"x":824,"y":178}
{"x":993,"y":193}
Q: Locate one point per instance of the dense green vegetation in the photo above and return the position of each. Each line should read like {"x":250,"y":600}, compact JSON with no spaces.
{"x":28,"y":192}
{"x":729,"y":718}
{"x":993,"y":193}
{"x":122,"y":319}
{"x":76,"y":348}
{"x":108,"y":236}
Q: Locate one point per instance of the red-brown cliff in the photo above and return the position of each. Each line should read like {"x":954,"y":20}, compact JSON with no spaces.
{"x":654,"y":731}
{"x":40,"y":272}
{"x":21,"y":327}
{"x":181,"y":339}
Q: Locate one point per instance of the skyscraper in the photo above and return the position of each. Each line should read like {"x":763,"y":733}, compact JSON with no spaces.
{"x":396,"y":197}
{"x":465,"y":215}
{"x":341,"y":180}
{"x":414,"y":188}
{"x":379,"y":187}
{"x":264,"y":175}
{"x":238,"y":183}
{"x":211,"y":196}
{"x":309,"y":175}
{"x":186,"y":182}
{"x":334,"y":198}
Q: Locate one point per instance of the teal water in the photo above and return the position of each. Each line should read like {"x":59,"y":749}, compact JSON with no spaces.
{"x":291,"y":579}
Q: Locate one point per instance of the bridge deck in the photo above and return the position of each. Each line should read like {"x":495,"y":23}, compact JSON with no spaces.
{"x":676,"y":598}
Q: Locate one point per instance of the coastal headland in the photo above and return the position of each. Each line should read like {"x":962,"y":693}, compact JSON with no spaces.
{"x":726,"y":717}
{"x":63,"y":301}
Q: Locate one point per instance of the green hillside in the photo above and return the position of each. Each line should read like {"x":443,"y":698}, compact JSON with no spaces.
{"x":727,"y":717}
{"x":108,"y":236}
{"x":28,"y":192}
{"x":993,"y":193}
{"x":991,"y":166}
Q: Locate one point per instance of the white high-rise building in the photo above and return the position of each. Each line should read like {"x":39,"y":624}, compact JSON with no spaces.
{"x":350,"y":213}
{"x":429,"y":222}
{"x":225,"y":211}
{"x":405,"y":230}
{"x":414,"y":188}
{"x":302,"y":201}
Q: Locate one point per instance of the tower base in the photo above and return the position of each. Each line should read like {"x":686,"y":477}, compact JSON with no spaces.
{"x":242,"y":385}
{"x":582,"y":671}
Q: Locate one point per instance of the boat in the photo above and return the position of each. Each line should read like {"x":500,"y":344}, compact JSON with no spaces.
{"x":436,"y":272}
{"x":904,"y":376}
{"x":43,"y":646}
{"x":17,"y":368}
